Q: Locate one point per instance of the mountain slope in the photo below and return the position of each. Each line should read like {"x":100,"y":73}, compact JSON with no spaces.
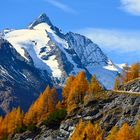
{"x":93,"y":59}
{"x":115,"y":110}
{"x":20,"y":82}
{"x":48,"y":56}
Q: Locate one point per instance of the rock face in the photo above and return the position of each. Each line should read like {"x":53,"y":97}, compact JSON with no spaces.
{"x":132,"y":86}
{"x":116,"y":109}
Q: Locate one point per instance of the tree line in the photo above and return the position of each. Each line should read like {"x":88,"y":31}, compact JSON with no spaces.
{"x":128,"y":73}
{"x":49,"y":110}
{"x":74,"y":91}
{"x":89,"y":131}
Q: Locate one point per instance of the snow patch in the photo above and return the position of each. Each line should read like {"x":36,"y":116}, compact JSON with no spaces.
{"x":54,"y":66}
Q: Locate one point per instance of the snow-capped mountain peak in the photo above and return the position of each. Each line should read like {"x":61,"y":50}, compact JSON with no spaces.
{"x":61,"y":54}
{"x":40,"y":55}
{"x":43,"y":18}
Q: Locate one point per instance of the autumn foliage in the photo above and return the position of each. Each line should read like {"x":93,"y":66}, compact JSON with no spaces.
{"x":66,"y":89}
{"x":128,"y":74}
{"x":87,"y":131}
{"x":45,"y":104}
{"x":76,"y":88}
{"x":37,"y":113}
{"x":126,"y":132}
{"x":94,"y":86}
{"x":117,"y":84}
{"x":10,"y":122}
{"x":48,"y":110}
{"x":132,"y":72}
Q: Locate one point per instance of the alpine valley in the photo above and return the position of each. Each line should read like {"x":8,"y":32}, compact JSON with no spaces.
{"x":41,"y":55}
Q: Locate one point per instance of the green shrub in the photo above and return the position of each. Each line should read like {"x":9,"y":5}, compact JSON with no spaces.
{"x":56,"y":117}
{"x":21,"y":129}
{"x":32,"y":128}
{"x":5,"y":138}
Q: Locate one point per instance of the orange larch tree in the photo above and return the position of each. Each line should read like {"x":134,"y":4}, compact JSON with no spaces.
{"x":87,"y":131}
{"x":41,"y":108}
{"x":125,"y":133}
{"x":137,"y":131}
{"x":113,"y":133}
{"x":66,"y":89}
{"x":94,"y":86}
{"x":79,"y":89}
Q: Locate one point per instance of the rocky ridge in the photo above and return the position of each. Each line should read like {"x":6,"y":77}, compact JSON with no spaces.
{"x":115,"y":109}
{"x":132,"y":86}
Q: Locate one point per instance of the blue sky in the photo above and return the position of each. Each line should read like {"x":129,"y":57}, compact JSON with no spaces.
{"x":113,"y":24}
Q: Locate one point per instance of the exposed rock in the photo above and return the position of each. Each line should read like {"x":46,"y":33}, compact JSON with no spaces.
{"x":114,"y":110}
{"x":133,"y":86}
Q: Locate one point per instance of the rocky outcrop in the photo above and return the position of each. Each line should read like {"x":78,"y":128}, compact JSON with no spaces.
{"x":133,"y":86}
{"x":115,"y":109}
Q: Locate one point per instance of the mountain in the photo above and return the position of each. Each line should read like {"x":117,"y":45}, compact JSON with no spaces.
{"x":32,"y":58}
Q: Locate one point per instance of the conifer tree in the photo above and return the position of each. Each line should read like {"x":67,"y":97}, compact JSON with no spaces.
{"x":10,"y":122}
{"x":131,"y":73}
{"x":125,"y":133}
{"x":137,"y":131}
{"x":135,"y":69}
{"x":92,"y":132}
{"x":78,"y":131}
{"x":66,"y":89}
{"x":113,"y":133}
{"x":117,"y":84}
{"x":79,"y":89}
{"x":87,"y":131}
{"x":94,"y":86}
{"x":42,"y":107}
{"x":59,"y":105}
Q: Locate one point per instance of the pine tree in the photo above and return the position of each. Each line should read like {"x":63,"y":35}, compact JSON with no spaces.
{"x":10,"y":122}
{"x":79,"y":89}
{"x":137,"y":131}
{"x":92,"y":132}
{"x":77,"y":135}
{"x":94,"y":86}
{"x":66,"y":89}
{"x":135,"y":69}
{"x":113,"y":133}
{"x":42,"y":107}
{"x":117,"y":84}
{"x":125,"y":133}
{"x":87,"y":131}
